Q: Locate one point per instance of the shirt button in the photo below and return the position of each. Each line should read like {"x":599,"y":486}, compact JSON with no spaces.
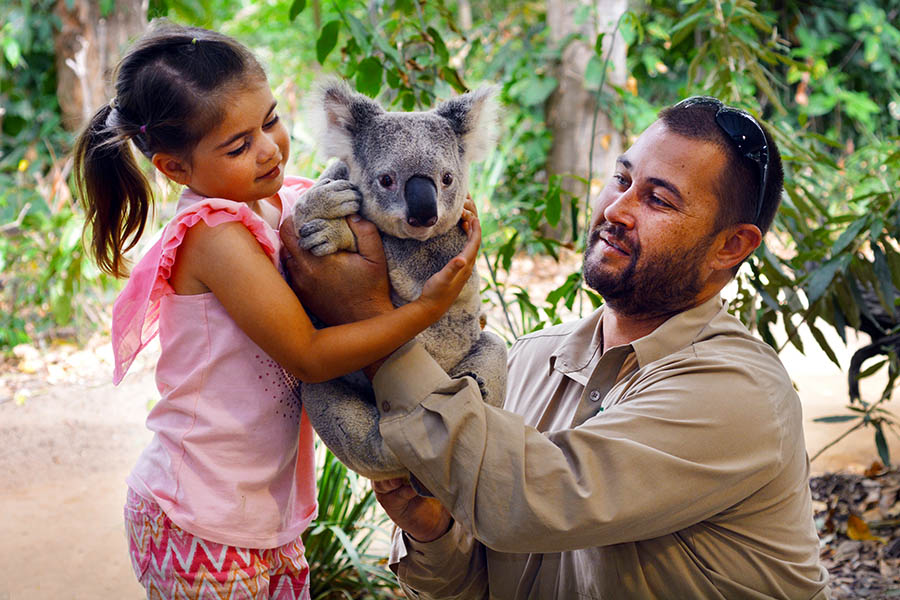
{"x":595,"y":395}
{"x":386,"y":406}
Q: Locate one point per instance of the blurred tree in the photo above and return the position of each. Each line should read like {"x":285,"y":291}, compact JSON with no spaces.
{"x":88,"y":44}
{"x":585,"y":144}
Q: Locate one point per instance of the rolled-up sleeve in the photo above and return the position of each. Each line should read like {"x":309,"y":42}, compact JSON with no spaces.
{"x":452,"y":566}
{"x":680,"y":449}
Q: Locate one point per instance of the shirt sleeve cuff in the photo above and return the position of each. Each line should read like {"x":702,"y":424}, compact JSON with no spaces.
{"x":434,"y":554}
{"x":406,"y":378}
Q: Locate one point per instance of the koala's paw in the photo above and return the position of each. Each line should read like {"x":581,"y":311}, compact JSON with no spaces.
{"x":482,"y":385}
{"x":326,"y":236}
{"x":329,"y":199}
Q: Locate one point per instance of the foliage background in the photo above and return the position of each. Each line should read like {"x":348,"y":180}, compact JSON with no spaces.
{"x":823,"y":75}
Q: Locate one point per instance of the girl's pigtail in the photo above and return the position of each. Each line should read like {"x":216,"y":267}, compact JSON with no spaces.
{"x":115,"y":193}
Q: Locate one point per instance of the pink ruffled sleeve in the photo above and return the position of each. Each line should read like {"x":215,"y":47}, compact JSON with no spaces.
{"x":135,"y":319}
{"x":291,"y":191}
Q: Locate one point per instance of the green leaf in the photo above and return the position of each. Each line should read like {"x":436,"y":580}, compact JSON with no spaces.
{"x":849,"y":235}
{"x":297,"y":7}
{"x":823,"y":344}
{"x":598,"y":44}
{"x":532,"y":91}
{"x":11,"y":50}
{"x":438,"y":44}
{"x":553,"y":202}
{"x":452,"y":77}
{"x":836,"y":419}
{"x":884,"y":286}
{"x":593,"y":73}
{"x":872,"y":370}
{"x":881,"y":444}
{"x":359,"y":32}
{"x":822,"y":277}
{"x":327,"y":40}
{"x":369,"y":76}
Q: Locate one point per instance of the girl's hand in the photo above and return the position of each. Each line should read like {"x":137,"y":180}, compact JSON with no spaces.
{"x":442,"y":288}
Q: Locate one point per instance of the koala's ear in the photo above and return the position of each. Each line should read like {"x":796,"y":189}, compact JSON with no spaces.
{"x":337,"y":114}
{"x":473,"y":116}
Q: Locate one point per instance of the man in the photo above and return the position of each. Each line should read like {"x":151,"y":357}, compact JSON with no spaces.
{"x":651,"y":450}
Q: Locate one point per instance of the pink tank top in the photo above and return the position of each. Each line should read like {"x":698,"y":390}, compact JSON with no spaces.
{"x":231,"y":459}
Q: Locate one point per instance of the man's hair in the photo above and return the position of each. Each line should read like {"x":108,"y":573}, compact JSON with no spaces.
{"x":738,"y":185}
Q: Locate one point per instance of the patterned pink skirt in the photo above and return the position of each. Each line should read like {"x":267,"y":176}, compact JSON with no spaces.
{"x":173,"y":564}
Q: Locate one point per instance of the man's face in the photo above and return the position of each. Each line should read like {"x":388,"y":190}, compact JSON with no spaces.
{"x":651,"y":231}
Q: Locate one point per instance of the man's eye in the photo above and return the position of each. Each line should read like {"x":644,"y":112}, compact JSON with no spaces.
{"x":239,"y":151}
{"x":620,"y":179}
{"x":659,"y":201}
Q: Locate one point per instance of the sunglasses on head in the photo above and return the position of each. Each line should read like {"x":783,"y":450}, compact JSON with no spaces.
{"x":746,"y":134}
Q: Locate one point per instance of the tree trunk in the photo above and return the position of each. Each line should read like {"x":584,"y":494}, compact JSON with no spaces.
{"x":570,"y":109}
{"x":88,"y":46}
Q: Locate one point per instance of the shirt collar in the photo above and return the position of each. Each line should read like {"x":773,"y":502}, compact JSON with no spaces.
{"x":583,"y":345}
{"x":677,"y":332}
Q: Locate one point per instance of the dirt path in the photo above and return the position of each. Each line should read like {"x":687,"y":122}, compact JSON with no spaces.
{"x":66,"y":448}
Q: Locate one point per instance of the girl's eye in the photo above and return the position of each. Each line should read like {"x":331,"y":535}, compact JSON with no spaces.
{"x":239,"y":151}
{"x":447,"y":179}
{"x":620,"y":179}
{"x":271,"y":123}
{"x":386,"y":181}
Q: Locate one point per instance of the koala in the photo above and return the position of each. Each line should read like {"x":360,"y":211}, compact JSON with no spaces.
{"x":408,"y":174}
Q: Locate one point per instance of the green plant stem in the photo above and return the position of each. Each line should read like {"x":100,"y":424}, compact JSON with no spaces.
{"x":503,"y":305}
{"x":838,"y":439}
{"x":594,"y":118}
{"x":862,"y":422}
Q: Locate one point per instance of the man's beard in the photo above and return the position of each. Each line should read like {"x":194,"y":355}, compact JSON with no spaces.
{"x":663,"y":284}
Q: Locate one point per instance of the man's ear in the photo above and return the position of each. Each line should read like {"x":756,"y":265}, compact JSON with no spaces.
{"x":735,"y":244}
{"x":172,"y":167}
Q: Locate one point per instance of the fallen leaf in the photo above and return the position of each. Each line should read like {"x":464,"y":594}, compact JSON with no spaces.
{"x":876,"y":468}
{"x":857,"y":529}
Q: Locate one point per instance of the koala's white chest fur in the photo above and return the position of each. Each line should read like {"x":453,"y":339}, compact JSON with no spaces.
{"x":410,"y":264}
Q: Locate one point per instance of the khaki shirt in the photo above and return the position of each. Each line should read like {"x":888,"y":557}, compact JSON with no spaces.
{"x":673,"y":467}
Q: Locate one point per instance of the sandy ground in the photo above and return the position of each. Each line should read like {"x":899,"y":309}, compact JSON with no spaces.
{"x":66,"y":447}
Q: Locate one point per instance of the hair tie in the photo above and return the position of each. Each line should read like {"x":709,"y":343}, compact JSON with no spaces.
{"x":194,"y":41}
{"x":143,"y":129}
{"x":113,"y":104}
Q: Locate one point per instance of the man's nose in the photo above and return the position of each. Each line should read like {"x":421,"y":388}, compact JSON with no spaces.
{"x":621,"y":208}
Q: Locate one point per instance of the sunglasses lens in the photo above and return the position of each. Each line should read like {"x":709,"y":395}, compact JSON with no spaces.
{"x":744,"y":131}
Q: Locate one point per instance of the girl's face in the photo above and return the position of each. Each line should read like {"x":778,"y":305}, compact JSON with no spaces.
{"x":243,"y":158}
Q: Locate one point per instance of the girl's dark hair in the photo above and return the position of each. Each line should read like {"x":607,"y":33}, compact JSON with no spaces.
{"x":171,"y":88}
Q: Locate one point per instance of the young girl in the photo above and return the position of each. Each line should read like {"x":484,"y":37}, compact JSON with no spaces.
{"x":218,"y":500}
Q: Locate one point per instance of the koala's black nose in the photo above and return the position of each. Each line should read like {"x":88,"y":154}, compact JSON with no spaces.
{"x":421,"y":201}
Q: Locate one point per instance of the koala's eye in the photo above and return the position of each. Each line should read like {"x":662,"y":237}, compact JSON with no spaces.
{"x":447,"y":179}
{"x":386,"y":181}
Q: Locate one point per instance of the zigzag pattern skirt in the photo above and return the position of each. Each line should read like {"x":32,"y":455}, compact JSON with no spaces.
{"x":173,"y":564}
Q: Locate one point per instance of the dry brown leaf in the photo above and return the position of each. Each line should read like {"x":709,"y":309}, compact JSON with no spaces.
{"x":857,"y":529}
{"x":876,"y":468}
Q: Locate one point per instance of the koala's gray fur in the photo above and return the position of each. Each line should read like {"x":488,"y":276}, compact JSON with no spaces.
{"x":408,"y":174}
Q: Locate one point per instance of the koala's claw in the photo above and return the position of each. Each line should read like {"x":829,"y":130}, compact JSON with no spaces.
{"x":312,"y":227}
{"x":323,"y":248}
{"x":314,"y":237}
{"x":330,"y":199}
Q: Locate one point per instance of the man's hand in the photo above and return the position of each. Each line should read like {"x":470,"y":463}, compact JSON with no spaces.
{"x":342,"y":287}
{"x":425,"y":519}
